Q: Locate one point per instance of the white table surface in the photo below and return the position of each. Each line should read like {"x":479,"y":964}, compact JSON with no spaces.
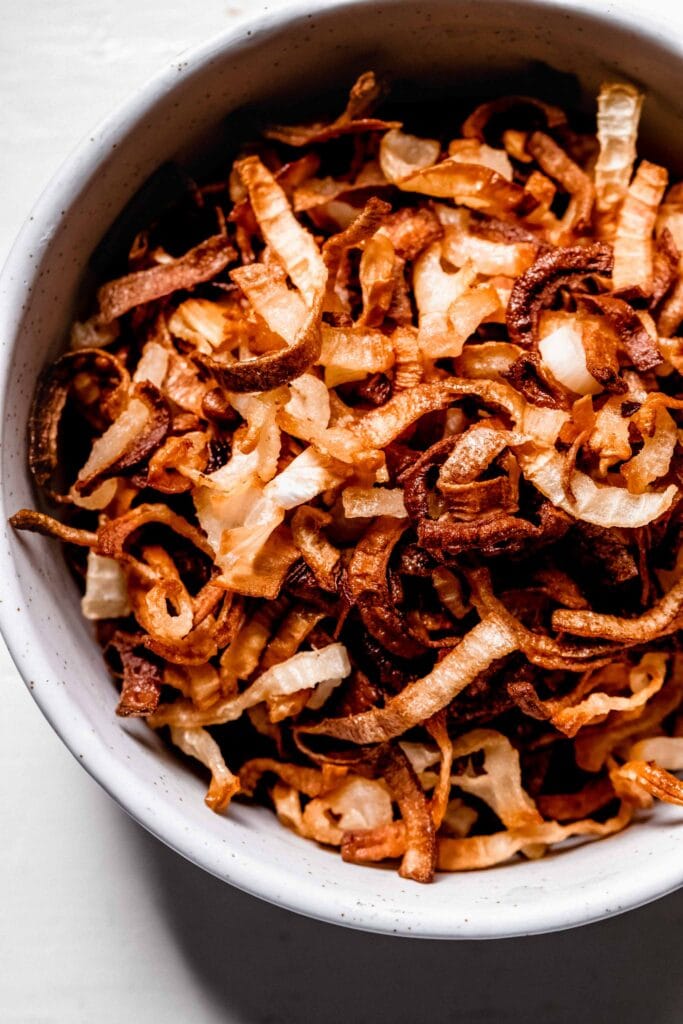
{"x":101,"y":923}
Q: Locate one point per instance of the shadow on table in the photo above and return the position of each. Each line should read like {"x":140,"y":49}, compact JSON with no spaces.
{"x":263,"y":965}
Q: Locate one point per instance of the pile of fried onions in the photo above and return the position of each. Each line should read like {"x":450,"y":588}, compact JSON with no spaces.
{"x":369,"y":469}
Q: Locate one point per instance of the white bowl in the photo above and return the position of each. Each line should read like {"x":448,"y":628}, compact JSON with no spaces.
{"x":268,"y":63}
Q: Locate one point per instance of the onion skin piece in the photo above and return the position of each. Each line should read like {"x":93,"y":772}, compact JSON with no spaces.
{"x":485,"y":643}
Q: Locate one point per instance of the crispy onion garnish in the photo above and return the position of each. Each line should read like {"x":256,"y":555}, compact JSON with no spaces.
{"x":555,"y":162}
{"x":142,"y":678}
{"x":536,"y":288}
{"x":484,"y":644}
{"x":419,"y":858}
{"x":54,"y":386}
{"x":130,"y":441}
{"x":301,"y":259}
{"x":366,"y":93}
{"x":375,"y":493}
{"x":365,"y":583}
{"x":640,"y":345}
{"x":200,"y":264}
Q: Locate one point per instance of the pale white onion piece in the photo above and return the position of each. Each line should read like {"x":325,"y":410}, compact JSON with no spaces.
{"x":400,"y":154}
{"x":563,"y":354}
{"x":106,"y":589}
{"x":152,"y":365}
{"x":619,"y":106}
{"x":364,"y":502}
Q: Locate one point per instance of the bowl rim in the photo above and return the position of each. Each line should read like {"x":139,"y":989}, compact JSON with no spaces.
{"x":615,"y":895}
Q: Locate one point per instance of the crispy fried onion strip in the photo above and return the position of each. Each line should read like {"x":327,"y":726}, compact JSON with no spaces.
{"x":376,"y":429}
{"x":511,"y":108}
{"x":291,"y":633}
{"x":584,"y":499}
{"x":311,"y":782}
{"x":401,"y":155}
{"x":351,"y":353}
{"x":633,"y":240}
{"x":201,"y":745}
{"x":657,"y":621}
{"x":553,"y":160}
{"x":535,"y":288}
{"x":302,"y":671}
{"x":419,"y":858}
{"x":106,"y":589}
{"x":484,"y":851}
{"x":113,"y":534}
{"x":202,"y":263}
{"x":644,"y":680}
{"x":366,"y":93}
{"x":642,"y":348}
{"x":468,"y":184}
{"x":131,"y":439}
{"x":38,"y":522}
{"x":636,"y":779}
{"x":595,"y":743}
{"x":295,"y":316}
{"x":366,"y":584}
{"x":354,"y":803}
{"x":365,"y":502}
{"x":141,"y":679}
{"x":359,"y":230}
{"x":308,"y":524}
{"x":54,"y":386}
{"x":660,"y":437}
{"x":619,"y":106}
{"x":667,"y":751}
{"x":485,"y":643}
{"x":499,"y":781}
{"x":538,"y":648}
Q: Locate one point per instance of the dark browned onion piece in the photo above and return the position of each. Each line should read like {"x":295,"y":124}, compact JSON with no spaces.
{"x":365,"y":583}
{"x":527,"y":375}
{"x":665,"y":267}
{"x":142,"y":676}
{"x":640,"y":346}
{"x":494,"y":534}
{"x":536,"y":287}
{"x":366,"y":93}
{"x":112,"y":535}
{"x":264,"y":373}
{"x":38,"y":522}
{"x":200,"y":264}
{"x":50,"y":399}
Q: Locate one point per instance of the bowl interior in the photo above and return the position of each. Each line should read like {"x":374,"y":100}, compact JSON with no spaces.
{"x":434,"y":53}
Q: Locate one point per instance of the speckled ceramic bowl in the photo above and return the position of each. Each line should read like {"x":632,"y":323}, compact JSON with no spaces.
{"x":432,"y":46}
